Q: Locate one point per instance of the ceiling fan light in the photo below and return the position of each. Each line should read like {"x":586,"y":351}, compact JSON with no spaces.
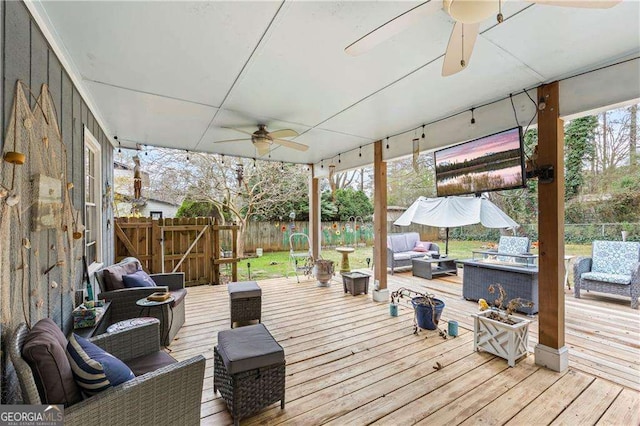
{"x":470,"y":11}
{"x":262,"y":145}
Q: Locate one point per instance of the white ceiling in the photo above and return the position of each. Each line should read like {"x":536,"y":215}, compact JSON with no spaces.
{"x":172,"y":74}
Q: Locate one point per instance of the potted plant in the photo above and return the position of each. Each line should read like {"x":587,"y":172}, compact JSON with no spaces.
{"x":498,"y":331}
{"x":427,"y":308}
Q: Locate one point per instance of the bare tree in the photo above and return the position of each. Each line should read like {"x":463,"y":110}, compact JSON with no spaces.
{"x":240,"y":188}
{"x":404,"y":185}
{"x":344,"y":180}
{"x":613,"y":140}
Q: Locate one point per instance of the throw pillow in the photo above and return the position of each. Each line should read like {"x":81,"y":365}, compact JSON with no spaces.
{"x":422,"y":246}
{"x":138,"y":279}
{"x":44,"y":351}
{"x":113,"y":274}
{"x":93,"y":368}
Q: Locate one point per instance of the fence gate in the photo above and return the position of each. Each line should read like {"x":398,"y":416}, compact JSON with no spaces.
{"x":189,"y":245}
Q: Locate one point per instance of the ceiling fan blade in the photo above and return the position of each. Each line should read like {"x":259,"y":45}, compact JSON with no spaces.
{"x":393,"y":27}
{"x":232,"y":140}
{"x":586,"y":4}
{"x":291,"y":144}
{"x":283,"y":133}
{"x":463,"y":38}
{"x":238,"y":130}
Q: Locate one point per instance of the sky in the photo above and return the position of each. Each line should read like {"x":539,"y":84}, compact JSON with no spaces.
{"x":496,"y":143}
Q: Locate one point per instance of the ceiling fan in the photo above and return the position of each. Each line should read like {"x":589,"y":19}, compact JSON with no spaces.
{"x":468,"y":14}
{"x":262,"y":139}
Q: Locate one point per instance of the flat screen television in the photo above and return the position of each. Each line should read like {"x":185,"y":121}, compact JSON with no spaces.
{"x":490,"y":163}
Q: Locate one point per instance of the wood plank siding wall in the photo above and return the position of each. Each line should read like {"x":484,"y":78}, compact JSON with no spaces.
{"x":27,"y":56}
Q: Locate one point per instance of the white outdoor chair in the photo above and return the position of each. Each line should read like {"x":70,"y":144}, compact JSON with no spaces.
{"x":301,"y":261}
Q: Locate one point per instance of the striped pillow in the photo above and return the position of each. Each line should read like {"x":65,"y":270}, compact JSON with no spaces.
{"x":93,"y":368}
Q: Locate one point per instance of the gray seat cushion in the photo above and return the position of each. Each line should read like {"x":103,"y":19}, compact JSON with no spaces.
{"x":244,"y":289}
{"x":403,"y":256}
{"x":248,"y":348}
{"x":151,"y":362}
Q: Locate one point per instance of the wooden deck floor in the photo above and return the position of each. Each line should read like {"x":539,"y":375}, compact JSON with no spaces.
{"x":350,"y":363}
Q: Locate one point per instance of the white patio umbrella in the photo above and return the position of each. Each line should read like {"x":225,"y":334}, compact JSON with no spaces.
{"x":447,"y":212}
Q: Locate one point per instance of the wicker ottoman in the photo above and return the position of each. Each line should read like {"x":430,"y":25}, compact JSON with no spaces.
{"x":245,"y":301}
{"x":248,"y":370}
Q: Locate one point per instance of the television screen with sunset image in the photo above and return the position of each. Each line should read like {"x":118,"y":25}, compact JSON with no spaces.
{"x":490,"y":163}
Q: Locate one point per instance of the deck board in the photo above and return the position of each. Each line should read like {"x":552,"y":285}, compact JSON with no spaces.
{"x":349,"y":362}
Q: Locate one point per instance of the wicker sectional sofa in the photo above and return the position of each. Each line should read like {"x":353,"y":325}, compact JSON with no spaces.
{"x":123,"y":300}
{"x":400,"y":249}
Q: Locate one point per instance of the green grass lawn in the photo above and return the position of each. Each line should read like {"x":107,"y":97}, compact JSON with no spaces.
{"x":276,"y":264}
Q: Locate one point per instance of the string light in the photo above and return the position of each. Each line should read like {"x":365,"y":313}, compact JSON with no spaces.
{"x":339,"y":160}
{"x":254,"y":163}
{"x":145,"y":150}
{"x":387,"y":142}
{"x":119,"y":145}
{"x":222,"y":157}
{"x":322,"y":164}
{"x":281,"y":166}
{"x":423,"y":131}
{"x":187,"y":155}
{"x":360,"y":153}
{"x":473,"y":119}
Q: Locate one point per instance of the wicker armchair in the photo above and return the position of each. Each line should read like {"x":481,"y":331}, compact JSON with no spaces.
{"x":614,"y":268}
{"x":123,"y":301}
{"x":168,"y":396}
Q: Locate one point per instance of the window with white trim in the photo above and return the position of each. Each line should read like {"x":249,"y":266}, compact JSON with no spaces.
{"x":92,"y":199}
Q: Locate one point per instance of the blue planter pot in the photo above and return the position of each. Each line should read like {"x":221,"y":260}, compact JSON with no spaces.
{"x":424,"y":314}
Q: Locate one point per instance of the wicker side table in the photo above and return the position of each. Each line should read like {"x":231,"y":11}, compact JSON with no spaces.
{"x":355,"y":283}
{"x":248,"y":370}
{"x":245,"y":301}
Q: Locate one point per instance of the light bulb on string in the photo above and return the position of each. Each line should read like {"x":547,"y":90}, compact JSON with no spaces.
{"x":473,"y":119}
{"x":254,"y":163}
{"x":187,"y":155}
{"x":145,"y":150}
{"x":423,"y":131}
{"x":322,"y":164}
{"x":222,"y":158}
{"x":387,"y":142}
{"x":360,"y":152}
{"x":339,"y":160}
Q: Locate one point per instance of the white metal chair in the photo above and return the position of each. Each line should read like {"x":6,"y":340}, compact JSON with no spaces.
{"x":301,"y":261}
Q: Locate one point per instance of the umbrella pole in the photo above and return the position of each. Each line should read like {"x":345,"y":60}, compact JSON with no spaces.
{"x":446,"y":244}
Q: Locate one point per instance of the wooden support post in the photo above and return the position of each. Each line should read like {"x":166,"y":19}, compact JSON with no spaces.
{"x":216,"y":253}
{"x":208,"y":255}
{"x":155,"y":247}
{"x":314,"y":215}
{"x":380,"y":220}
{"x":550,"y":351}
{"x":234,"y":254}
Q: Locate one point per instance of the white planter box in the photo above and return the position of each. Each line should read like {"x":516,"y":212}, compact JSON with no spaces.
{"x":506,"y":341}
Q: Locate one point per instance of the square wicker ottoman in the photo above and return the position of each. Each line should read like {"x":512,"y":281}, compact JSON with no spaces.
{"x":245,"y":301}
{"x":248,"y":370}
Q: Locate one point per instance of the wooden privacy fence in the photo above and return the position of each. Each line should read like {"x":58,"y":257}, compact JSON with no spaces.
{"x":274,"y":236}
{"x":190,"y":245}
